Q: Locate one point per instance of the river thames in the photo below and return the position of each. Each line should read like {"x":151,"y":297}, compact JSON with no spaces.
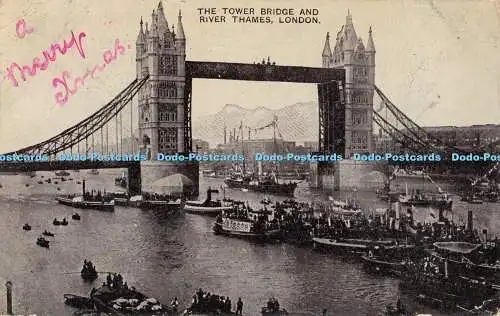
{"x":173,"y":257}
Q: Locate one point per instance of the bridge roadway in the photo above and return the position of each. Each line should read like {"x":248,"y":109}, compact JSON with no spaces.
{"x":259,"y":72}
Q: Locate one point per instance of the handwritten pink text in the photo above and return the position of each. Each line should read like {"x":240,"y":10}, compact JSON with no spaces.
{"x":49,"y":55}
{"x":22,"y":29}
{"x":65,"y":79}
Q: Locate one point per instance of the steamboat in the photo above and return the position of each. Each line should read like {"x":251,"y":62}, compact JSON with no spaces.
{"x":208,"y":206}
{"x":151,"y":201}
{"x":263,"y":184}
{"x":258,"y":181}
{"x":441,"y":201}
{"x":88,"y":200}
{"x":249,"y":224}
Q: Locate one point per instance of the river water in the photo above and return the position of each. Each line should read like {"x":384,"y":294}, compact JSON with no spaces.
{"x":168,"y":257}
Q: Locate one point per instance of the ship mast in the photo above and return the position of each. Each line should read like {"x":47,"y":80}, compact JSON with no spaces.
{"x":242,"y":147}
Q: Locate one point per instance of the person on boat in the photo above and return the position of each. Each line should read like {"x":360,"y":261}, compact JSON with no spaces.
{"x":399,"y":306}
{"x":175,"y":304}
{"x":109,"y":280}
{"x":239,"y":307}
{"x":194,"y":301}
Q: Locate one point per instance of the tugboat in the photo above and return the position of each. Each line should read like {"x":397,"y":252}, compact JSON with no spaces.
{"x":47,"y":233}
{"x":76,"y":217}
{"x":247,"y":223}
{"x":207,"y":207}
{"x":88,"y":272}
{"x":42,"y":242}
{"x":26,"y":227}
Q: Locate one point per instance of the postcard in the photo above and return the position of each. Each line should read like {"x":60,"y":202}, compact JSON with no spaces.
{"x":249,"y":157}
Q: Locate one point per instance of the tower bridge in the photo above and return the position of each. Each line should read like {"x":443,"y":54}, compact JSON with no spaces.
{"x":159,"y":101}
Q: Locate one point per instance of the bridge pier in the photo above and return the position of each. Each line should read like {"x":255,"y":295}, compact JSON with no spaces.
{"x":134,"y":179}
{"x":348,"y":175}
{"x":152,"y":170}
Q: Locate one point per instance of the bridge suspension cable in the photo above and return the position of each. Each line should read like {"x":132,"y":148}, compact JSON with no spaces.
{"x":411,"y":136}
{"x":80,"y":132}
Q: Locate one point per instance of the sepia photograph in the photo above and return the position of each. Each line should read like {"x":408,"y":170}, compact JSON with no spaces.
{"x":249,"y":157}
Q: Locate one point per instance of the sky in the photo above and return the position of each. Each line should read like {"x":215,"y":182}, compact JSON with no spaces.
{"x":438,"y":61}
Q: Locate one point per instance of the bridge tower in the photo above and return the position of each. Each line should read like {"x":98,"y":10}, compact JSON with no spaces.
{"x":161,"y":54}
{"x":358,"y":61}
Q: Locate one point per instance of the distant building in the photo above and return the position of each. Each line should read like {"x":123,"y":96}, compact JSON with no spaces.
{"x":200,"y":146}
{"x":466,"y":137}
{"x":311,"y":145}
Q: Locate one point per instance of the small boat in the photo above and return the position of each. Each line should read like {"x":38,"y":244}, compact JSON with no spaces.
{"x":121,"y":181}
{"x":57,"y":222}
{"x":76,"y":217}
{"x":47,"y":233}
{"x":94,"y":172}
{"x":26,"y":227}
{"x":89,"y":272}
{"x":62,"y":173}
{"x":207,"y":207}
{"x":121,"y":300}
{"x":80,"y":302}
{"x":86,"y":312}
{"x":42,"y":242}
{"x":273,"y":308}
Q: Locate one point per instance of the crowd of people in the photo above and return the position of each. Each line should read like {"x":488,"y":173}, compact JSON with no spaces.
{"x":273,"y":306}
{"x":158,"y":197}
{"x":206,"y":302}
{"x":115,"y":281}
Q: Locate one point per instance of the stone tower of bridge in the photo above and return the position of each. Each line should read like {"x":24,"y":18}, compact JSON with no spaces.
{"x":161,"y":54}
{"x":358,"y":61}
